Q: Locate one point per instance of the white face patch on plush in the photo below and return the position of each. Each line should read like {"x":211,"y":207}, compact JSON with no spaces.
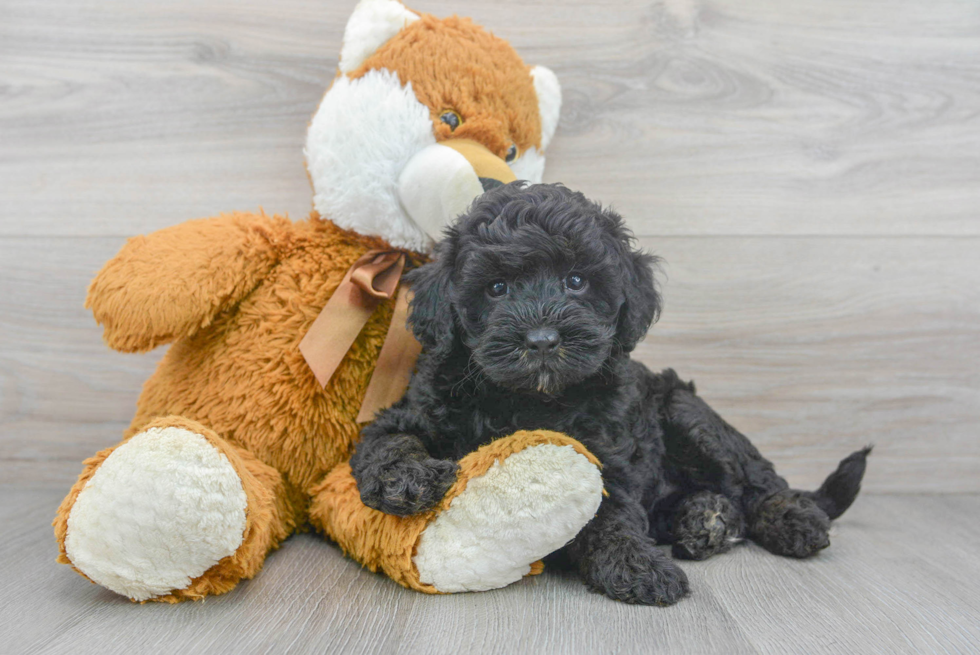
{"x":355,"y":171}
{"x":437,"y":185}
{"x":162,"y":509}
{"x":520,"y":510}
{"x":548,"y":90}
{"x":371,"y":25}
{"x":529,"y":166}
{"x":366,"y":130}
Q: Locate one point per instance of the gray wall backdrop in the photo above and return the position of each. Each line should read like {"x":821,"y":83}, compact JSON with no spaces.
{"x":810,"y":171}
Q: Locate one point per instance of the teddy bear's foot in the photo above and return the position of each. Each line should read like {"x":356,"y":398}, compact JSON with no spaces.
{"x":512,"y":513}
{"x":514,"y":501}
{"x":174,"y":512}
{"x":162,"y":509}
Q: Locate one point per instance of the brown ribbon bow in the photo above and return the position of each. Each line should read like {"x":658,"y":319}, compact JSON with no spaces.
{"x":370,"y":281}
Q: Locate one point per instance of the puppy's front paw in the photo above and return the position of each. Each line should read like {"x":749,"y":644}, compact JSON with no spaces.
{"x":790,"y":524}
{"x":636,"y":572}
{"x":409,"y":486}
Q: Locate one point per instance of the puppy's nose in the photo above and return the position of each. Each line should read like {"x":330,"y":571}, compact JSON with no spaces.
{"x":543,"y":340}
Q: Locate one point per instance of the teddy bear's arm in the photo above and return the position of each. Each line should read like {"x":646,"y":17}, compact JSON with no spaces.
{"x":171,"y":283}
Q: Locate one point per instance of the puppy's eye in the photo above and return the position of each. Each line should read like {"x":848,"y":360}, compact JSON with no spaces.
{"x":511,"y":153}
{"x":574,"y":282}
{"x":452,"y":119}
{"x":497,"y":288}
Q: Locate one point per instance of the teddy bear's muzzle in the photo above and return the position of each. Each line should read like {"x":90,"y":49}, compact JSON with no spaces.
{"x":440,"y":181}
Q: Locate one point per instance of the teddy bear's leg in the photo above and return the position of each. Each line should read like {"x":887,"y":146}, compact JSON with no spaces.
{"x":515,"y":501}
{"x":173,"y":513}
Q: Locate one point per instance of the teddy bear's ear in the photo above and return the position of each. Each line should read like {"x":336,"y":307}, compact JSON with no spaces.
{"x":548,"y":90}
{"x":370,"y":26}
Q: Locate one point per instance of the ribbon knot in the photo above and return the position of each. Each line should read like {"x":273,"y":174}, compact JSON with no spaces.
{"x":372,"y":279}
{"x":377,"y":273}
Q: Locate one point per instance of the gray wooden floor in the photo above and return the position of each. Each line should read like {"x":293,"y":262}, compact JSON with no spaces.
{"x":808,"y":170}
{"x":901,"y":576}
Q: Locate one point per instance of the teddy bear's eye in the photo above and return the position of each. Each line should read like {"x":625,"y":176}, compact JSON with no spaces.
{"x":574,"y":282}
{"x":511,"y":153}
{"x":497,"y":288}
{"x":452,"y":119}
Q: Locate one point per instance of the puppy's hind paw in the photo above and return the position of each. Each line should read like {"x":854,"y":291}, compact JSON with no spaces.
{"x":706,"y":524}
{"x":788,"y":523}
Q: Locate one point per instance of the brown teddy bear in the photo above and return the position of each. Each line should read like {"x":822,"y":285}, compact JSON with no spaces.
{"x":239,"y":439}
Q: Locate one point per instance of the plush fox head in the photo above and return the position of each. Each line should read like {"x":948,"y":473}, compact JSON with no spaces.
{"x":424,"y":115}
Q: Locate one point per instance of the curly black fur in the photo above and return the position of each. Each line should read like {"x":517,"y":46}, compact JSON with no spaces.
{"x":674,"y":470}
{"x":705,"y":524}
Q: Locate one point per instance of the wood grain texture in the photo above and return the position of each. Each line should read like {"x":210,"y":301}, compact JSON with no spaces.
{"x":813,"y":347}
{"x":810,"y":172}
{"x":752,"y":144}
{"x":869,"y":340}
{"x":707,"y":116}
{"x":902,"y":576}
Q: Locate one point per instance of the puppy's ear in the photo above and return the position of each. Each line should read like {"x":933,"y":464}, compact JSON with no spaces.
{"x":642,"y":305}
{"x":431,"y":313}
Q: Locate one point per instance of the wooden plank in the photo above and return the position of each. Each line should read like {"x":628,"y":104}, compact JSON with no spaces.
{"x":708,"y":117}
{"x":884,"y":586}
{"x":811,"y":346}
{"x":309,"y":598}
{"x":695,"y":119}
{"x":875,"y":590}
{"x":814,"y":347}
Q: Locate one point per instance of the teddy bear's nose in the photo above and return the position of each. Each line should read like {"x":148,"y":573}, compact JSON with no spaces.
{"x":543,"y":340}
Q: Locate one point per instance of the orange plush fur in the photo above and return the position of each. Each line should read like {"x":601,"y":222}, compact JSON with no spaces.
{"x":386,"y":542}
{"x":455,"y":65}
{"x":240,"y":292}
{"x":235,"y":295}
{"x":271,"y":514}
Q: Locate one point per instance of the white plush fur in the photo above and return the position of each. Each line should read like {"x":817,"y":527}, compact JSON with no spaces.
{"x":355,"y":170}
{"x":548,"y":90}
{"x":530,"y":505}
{"x":371,"y":25}
{"x":529,"y":166}
{"x":437,"y":185}
{"x":160,"y":511}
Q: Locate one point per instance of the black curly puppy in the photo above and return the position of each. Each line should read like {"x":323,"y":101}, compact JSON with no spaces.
{"x":527,"y":318}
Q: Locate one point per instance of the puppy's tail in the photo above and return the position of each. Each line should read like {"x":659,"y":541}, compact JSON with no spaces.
{"x":841,"y":487}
